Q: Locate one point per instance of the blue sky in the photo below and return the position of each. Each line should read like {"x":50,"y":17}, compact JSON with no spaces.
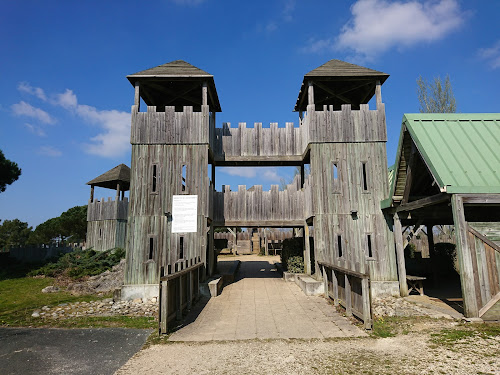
{"x":65,"y":102}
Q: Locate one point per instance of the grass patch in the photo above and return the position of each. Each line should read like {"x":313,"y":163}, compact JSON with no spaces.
{"x":450,"y":336}
{"x":19,"y":297}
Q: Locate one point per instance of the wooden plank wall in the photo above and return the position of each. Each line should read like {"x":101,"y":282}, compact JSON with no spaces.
{"x":486,"y":269}
{"x":342,"y":207}
{"x":107,"y":210}
{"x":150,"y":211}
{"x":258,"y":141}
{"x":170,"y":127}
{"x":257,"y":206}
{"x":106,"y":234}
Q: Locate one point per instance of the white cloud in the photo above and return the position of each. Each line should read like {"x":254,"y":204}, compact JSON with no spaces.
{"x":66,"y":100}
{"x":35,"y":130}
{"x":379,"y":25}
{"x":37,"y":91}
{"x":24,"y":109}
{"x":491,"y":55}
{"x":266,"y":173}
{"x":286,"y":15}
{"x":49,"y":151}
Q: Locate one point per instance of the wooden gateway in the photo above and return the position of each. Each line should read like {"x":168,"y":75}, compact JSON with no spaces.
{"x":176,"y":146}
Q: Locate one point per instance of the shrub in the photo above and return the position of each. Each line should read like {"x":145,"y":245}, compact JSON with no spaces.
{"x":80,"y":263}
{"x":292,"y":247}
{"x":295,"y":264}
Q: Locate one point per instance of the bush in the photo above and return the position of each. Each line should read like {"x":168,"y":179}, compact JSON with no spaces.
{"x":80,"y":263}
{"x":292,"y":247}
{"x":295,"y":264}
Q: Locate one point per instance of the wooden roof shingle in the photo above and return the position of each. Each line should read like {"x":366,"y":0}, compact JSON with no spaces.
{"x":109,"y":179}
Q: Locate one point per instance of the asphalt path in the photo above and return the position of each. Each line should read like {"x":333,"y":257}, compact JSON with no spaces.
{"x":68,"y":351}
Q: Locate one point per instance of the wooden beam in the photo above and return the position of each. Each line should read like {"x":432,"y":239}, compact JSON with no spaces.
{"x":307,"y":250}
{"x":481,"y":198}
{"x":331,"y":92}
{"x":137,"y":97}
{"x":412,"y":233}
{"x":204,"y":94}
{"x":424,"y":202}
{"x":400,"y":256}
{"x":378,"y":94}
{"x":471,"y":307}
{"x":483,"y":238}
{"x":310,"y":93}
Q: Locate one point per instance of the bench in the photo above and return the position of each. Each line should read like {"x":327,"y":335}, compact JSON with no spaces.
{"x":415,"y":283}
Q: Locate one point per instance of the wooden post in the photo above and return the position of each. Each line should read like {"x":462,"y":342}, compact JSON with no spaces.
{"x":91,"y":193}
{"x":137,"y":96}
{"x":378,"y":94}
{"x":348,"y":299}
{"x":118,"y":191}
{"x":307,"y":251}
{"x":266,"y":245}
{"x":204,"y":95}
{"x":335,"y":285}
{"x":178,"y":298}
{"x":400,"y":256}
{"x":325,"y":281}
{"x":190,"y":289}
{"x":464,"y":258}
{"x":432,"y":253}
{"x":301,"y":115}
{"x":365,"y":293}
{"x":163,"y":306}
{"x":123,"y":194}
{"x":302,"y":175}
{"x":310,"y":93}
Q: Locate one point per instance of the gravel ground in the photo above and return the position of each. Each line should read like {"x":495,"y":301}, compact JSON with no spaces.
{"x":413,"y":353}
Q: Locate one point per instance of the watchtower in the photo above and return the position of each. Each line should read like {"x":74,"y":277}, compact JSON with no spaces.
{"x":107,"y":219}
{"x":348,"y":164}
{"x":170,"y":161}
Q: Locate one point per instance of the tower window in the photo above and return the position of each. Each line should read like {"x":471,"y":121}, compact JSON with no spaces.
{"x":181,"y":247}
{"x":364,"y":177}
{"x":154,"y":178}
{"x":339,"y":246}
{"x":183,"y":179}
{"x":369,"y":245}
{"x":335,"y":175}
{"x":151,"y":250}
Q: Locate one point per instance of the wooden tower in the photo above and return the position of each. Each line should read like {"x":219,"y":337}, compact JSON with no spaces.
{"x":170,"y":163}
{"x":348,"y":166}
{"x":107,"y":219}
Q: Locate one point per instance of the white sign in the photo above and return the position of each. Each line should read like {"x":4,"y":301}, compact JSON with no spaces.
{"x":184,"y":213}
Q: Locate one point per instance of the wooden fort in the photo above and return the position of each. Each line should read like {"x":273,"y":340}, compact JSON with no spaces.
{"x":176,"y":147}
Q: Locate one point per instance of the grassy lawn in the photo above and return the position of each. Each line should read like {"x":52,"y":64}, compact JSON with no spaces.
{"x":19,"y":297}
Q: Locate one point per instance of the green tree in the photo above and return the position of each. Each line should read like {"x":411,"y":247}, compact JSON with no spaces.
{"x":437,"y":96}
{"x":71,"y":225}
{"x":14,"y":233}
{"x":9,"y":172}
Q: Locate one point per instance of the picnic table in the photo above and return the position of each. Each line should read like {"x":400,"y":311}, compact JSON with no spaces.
{"x":415,"y":283}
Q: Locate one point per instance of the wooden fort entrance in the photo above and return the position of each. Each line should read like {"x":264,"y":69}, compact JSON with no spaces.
{"x":176,"y":143}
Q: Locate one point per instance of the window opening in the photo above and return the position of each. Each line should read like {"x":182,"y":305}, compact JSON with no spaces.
{"x":339,"y":245}
{"x":151,"y":247}
{"x":369,"y":245}
{"x":365,"y":179}
{"x":155,"y":178}
{"x":184,"y":185}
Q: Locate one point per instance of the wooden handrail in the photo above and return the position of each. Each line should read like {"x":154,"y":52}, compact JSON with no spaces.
{"x":180,"y":273}
{"x":345,"y":270}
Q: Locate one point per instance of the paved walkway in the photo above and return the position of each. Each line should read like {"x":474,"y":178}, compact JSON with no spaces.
{"x":261,"y":305}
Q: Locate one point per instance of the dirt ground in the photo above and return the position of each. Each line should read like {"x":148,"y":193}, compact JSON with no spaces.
{"x":429,"y":347}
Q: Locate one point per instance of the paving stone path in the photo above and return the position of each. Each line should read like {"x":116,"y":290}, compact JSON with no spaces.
{"x":261,"y":305}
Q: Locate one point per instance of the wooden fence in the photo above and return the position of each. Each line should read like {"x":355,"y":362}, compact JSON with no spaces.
{"x":107,"y":210}
{"x":254,"y":207}
{"x":485,"y":256}
{"x":177,"y":292}
{"x":350,"y":289}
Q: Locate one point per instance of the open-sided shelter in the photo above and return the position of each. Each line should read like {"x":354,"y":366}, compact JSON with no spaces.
{"x":447,"y":172}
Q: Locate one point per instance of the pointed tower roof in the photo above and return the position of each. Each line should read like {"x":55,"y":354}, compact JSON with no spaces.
{"x":175,"y":83}
{"x":109,"y":179}
{"x":338,"y":82}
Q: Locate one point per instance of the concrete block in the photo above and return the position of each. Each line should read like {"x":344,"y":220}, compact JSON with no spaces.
{"x":292,"y":277}
{"x":384,"y":288}
{"x":309,"y":286}
{"x":131,"y":292}
{"x":215,"y":286}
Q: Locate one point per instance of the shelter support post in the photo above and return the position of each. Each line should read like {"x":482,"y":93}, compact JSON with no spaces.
{"x":464,"y":258}
{"x":91,"y":193}
{"x":378,"y":94}
{"x":137,"y":97}
{"x":307,"y":251}
{"x":400,"y":256}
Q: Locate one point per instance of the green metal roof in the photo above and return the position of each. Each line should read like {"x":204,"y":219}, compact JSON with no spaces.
{"x":462,"y":151}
